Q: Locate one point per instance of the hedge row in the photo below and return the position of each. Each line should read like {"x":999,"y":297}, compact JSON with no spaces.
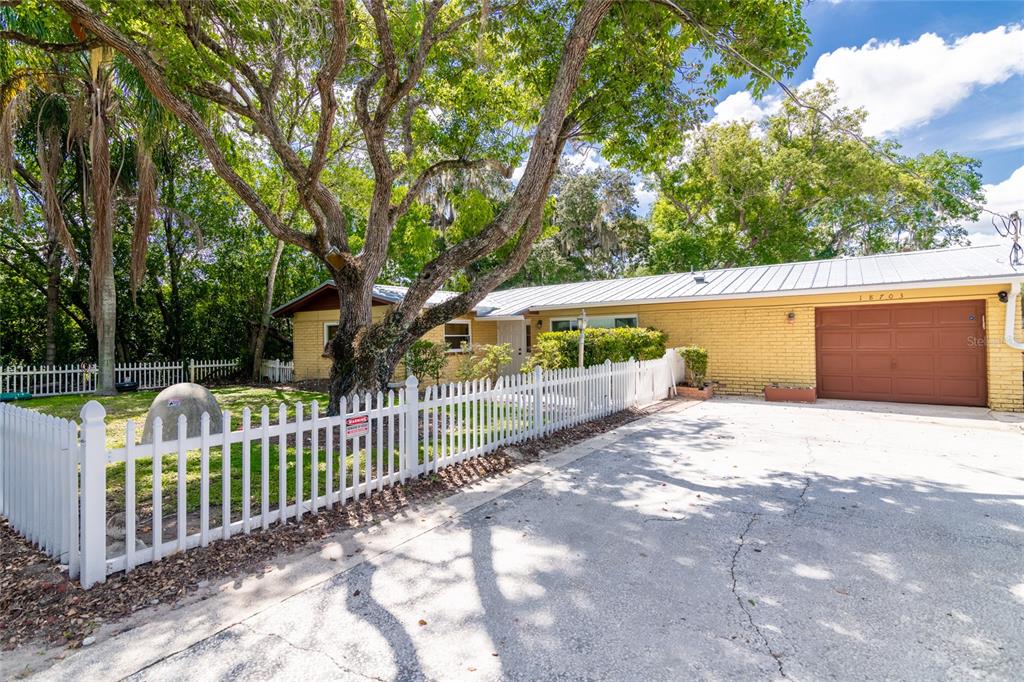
{"x":558,"y":350}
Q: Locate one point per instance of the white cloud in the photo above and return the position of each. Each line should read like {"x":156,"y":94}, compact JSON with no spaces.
{"x":645,"y":197}
{"x":1002,"y":133}
{"x":586,"y":158}
{"x":740,"y":106}
{"x":902,"y":85}
{"x":1002,"y":197}
{"x":983,"y":239}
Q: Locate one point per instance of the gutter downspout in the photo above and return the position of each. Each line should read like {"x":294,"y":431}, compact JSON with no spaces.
{"x":1011,"y":317}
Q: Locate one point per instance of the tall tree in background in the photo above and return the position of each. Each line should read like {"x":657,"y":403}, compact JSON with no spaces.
{"x":796,"y":186}
{"x":39,"y":117}
{"x":413,"y":90}
{"x":594,"y":230}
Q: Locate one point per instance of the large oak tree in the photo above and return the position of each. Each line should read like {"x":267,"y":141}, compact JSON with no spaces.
{"x":405,"y":91}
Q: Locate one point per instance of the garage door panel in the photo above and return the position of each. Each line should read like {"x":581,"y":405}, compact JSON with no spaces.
{"x":872,"y":317}
{"x":955,"y":340}
{"x":841,"y":317}
{"x":837,"y":384}
{"x":907,"y":352}
{"x":834,"y":363}
{"x":921,"y":387}
{"x":960,"y":364}
{"x":835,"y":340}
{"x":966,"y":315}
{"x":871,"y":363}
{"x":914,"y":363}
{"x":873,"y":384}
{"x":880,"y":340}
{"x":913,"y":316}
{"x":917,"y":340}
{"x":967,"y":387}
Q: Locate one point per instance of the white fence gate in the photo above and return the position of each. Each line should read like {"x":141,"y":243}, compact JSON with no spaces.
{"x":44,"y":380}
{"x":270,"y":469}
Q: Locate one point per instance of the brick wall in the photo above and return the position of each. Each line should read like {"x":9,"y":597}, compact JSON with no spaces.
{"x":1005,"y":365}
{"x":752,"y":342}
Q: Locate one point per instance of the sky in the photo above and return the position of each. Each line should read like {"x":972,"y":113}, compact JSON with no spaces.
{"x":931,"y":75}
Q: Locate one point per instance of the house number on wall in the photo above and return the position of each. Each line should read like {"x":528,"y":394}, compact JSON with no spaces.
{"x":883,"y":296}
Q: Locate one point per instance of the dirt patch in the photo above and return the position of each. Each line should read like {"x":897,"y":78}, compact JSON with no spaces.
{"x":39,"y":604}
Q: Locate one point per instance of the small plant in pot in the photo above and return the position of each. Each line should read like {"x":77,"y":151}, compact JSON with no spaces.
{"x":695,"y":385}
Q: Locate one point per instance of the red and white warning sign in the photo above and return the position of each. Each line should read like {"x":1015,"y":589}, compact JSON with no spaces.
{"x":357,"y":426}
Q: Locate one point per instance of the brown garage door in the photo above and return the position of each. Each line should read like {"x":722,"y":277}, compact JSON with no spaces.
{"x":905,"y":352}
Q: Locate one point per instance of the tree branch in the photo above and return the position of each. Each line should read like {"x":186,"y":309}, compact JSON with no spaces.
{"x":155,"y":80}
{"x":332,"y":65}
{"x":59,"y":48}
{"x":548,"y":142}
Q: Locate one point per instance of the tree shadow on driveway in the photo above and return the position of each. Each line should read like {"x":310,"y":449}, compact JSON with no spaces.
{"x":694,"y":548}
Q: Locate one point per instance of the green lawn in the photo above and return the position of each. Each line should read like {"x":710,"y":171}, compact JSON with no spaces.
{"x":123,"y":407}
{"x":120,"y":408}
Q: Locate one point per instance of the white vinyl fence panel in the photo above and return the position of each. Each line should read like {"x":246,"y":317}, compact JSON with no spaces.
{"x":273,"y":467}
{"x":39,"y":480}
{"x":45,"y":380}
{"x":150,"y":375}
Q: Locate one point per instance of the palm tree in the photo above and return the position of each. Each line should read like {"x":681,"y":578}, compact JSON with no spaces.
{"x":78,"y":94}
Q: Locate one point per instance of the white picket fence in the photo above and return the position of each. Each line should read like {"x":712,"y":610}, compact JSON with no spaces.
{"x":39,"y":457}
{"x":44,"y":380}
{"x":277,"y":371}
{"x":259,"y":471}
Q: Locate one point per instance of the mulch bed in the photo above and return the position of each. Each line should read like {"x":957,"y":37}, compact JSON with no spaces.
{"x":39,"y":604}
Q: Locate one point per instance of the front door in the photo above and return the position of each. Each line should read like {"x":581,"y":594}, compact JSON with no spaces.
{"x":513,"y":332}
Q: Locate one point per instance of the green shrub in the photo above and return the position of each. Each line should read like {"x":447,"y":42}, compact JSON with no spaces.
{"x":484,"y":362}
{"x":696,"y":364}
{"x":425,"y":360}
{"x":558,"y":350}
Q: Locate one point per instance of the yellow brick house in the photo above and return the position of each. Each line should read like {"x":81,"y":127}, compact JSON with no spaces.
{"x":920,"y":327}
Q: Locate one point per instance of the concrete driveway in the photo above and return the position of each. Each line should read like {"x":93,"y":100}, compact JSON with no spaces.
{"x":729,"y":539}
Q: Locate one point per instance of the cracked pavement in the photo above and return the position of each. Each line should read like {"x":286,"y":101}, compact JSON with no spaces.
{"x":835,"y":540}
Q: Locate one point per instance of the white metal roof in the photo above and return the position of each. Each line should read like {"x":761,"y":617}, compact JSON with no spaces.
{"x":963,"y":265}
{"x":925,"y":268}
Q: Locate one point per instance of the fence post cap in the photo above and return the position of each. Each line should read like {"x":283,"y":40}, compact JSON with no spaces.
{"x":412,"y":381}
{"x":607,"y":361}
{"x":537,"y":370}
{"x":93,"y":411}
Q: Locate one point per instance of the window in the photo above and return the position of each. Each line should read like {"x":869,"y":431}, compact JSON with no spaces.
{"x":456,"y":333}
{"x":529,"y":337}
{"x":330,"y":329}
{"x":603,"y":322}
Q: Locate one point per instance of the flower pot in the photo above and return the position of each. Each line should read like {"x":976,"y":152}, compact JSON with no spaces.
{"x":790,"y":394}
{"x":694,"y":393}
